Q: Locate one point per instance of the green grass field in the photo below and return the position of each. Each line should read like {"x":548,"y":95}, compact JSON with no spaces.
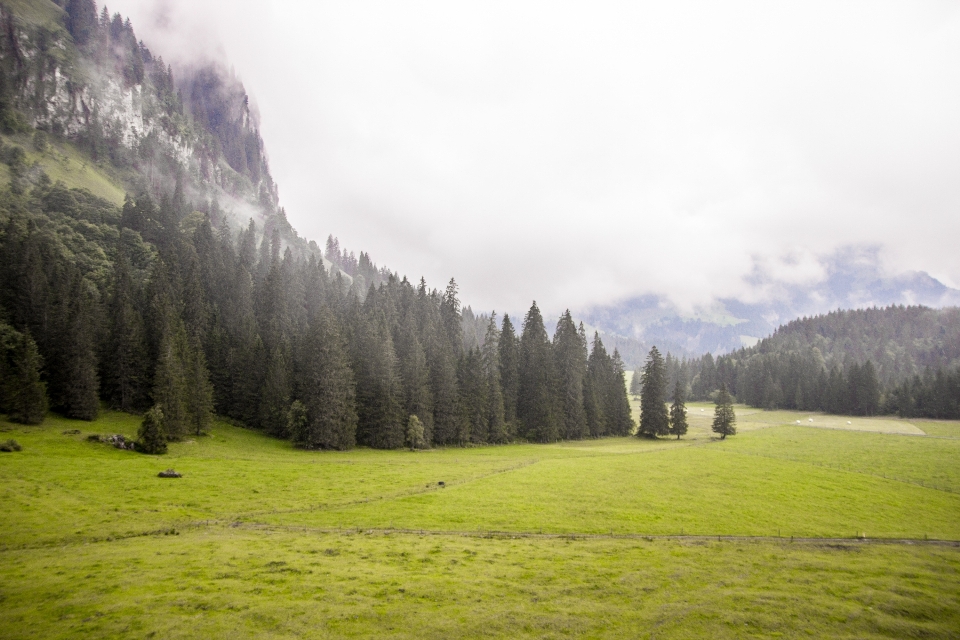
{"x":759,"y":535}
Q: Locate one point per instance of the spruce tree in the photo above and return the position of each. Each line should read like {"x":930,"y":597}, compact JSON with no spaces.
{"x":198,"y":390}
{"x":570,"y":355}
{"x":125,"y":356}
{"x":24,"y":395}
{"x":509,"y":348}
{"x":151,"y":437}
{"x":414,"y":373}
{"x":443,"y":387}
{"x":617,"y":407}
{"x":379,"y":401}
{"x":81,"y":399}
{"x":536,"y":397}
{"x":490,"y":362}
{"x":598,"y":380}
{"x":678,"y":412}
{"x":327,"y":389}
{"x":472,"y":399}
{"x":635,"y":382}
{"x":724,"y":419}
{"x":170,"y":381}
{"x":414,"y":437}
{"x":654,"y":419}
{"x":275,"y":395}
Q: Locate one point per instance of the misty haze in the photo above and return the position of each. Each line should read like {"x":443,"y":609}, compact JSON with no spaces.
{"x":479,"y":320}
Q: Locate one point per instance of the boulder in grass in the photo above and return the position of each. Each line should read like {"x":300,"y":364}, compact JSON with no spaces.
{"x":169,"y":473}
{"x":10,"y":446}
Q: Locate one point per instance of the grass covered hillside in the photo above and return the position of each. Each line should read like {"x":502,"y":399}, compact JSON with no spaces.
{"x":784,"y":529}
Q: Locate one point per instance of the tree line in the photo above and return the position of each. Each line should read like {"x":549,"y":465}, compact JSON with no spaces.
{"x":897,"y":360}
{"x":151,"y":306}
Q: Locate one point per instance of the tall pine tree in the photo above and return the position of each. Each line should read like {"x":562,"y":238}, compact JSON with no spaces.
{"x":570,"y":354}
{"x":678,"y":412}
{"x":654,"y":420}
{"x":536,"y":397}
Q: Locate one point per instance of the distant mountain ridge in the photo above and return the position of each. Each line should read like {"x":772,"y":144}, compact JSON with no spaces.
{"x":854,"y":280}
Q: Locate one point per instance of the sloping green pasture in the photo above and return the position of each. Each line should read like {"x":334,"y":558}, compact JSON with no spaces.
{"x":261,"y":540}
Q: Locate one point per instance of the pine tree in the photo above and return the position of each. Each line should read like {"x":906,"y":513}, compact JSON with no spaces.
{"x":450,"y":317}
{"x":570,"y":355}
{"x":79,"y":393}
{"x":198,"y":390}
{"x":414,"y":374}
{"x":724,"y":419}
{"x":472,"y":399}
{"x":379,"y":401}
{"x":170,"y":381}
{"x":617,"y":407}
{"x":443,"y":387}
{"x":414,"y":436}
{"x":654,"y":420}
{"x":151,"y":437}
{"x":24,"y":396}
{"x":327,"y":389}
{"x":536,"y":397}
{"x":635,"y":385}
{"x":124,"y":365}
{"x":598,"y":379}
{"x":678,"y":412}
{"x":298,"y":424}
{"x":490,"y":362}
{"x":275,"y":395}
{"x":509,"y":348}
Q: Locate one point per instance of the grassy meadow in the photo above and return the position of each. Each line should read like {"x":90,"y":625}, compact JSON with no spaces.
{"x":785,"y":530}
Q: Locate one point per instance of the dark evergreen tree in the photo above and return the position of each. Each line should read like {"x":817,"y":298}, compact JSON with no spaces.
{"x":472,"y":399}
{"x":78,"y":397}
{"x":327,"y":389}
{"x":570,"y":355}
{"x":23,"y":396}
{"x":414,"y":374}
{"x":170,"y":381}
{"x":654,"y":419}
{"x":124,"y":370}
{"x":496,"y":426}
{"x":617,"y":407}
{"x":536,"y":397}
{"x":275,"y":395}
{"x":379,"y":402}
{"x":724,"y":419}
{"x":635,"y":382}
{"x":678,"y":412}
{"x":198,"y":390}
{"x":415,"y":438}
{"x":443,"y":387}
{"x":509,"y":348}
{"x":151,"y":437}
{"x":598,"y":380}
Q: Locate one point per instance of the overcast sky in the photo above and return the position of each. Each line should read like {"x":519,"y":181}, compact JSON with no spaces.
{"x":581,"y":153}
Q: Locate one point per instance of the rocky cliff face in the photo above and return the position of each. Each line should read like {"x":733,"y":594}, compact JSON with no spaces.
{"x":110,"y":96}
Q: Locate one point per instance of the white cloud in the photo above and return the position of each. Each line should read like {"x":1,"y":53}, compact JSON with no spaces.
{"x":580,"y":153}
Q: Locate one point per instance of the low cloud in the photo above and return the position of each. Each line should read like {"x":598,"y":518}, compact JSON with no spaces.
{"x":579,"y":155}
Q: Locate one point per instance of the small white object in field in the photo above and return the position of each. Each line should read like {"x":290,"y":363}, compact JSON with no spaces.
{"x":701,"y":409}
{"x":798,"y":422}
{"x":848,"y":422}
{"x":810,"y":419}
